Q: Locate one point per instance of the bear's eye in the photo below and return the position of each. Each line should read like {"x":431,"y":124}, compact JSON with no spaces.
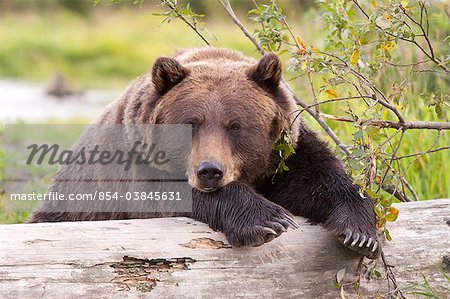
{"x":235,"y":128}
{"x":192,"y":123}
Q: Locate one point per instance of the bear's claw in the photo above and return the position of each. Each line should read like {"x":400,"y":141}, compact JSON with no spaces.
{"x":269,"y":230}
{"x":292,"y":222}
{"x":279,"y":228}
{"x":356,"y":241}
{"x":363,"y":239}
{"x":374,"y":246}
{"x":348,"y":234}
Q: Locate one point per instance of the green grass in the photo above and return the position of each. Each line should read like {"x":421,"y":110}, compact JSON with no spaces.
{"x":111,"y":47}
{"x":103,"y":50}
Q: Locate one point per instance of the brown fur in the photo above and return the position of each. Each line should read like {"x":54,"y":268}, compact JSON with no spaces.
{"x":238,"y":108}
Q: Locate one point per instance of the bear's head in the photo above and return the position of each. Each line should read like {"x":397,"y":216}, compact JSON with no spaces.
{"x":238,"y":110}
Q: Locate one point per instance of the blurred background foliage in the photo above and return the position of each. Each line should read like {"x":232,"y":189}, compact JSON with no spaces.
{"x":106,"y":46}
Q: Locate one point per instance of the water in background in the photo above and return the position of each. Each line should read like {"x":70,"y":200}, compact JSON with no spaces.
{"x":29,"y":102}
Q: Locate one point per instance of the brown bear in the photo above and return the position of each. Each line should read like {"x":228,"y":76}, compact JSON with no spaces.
{"x":238,"y":109}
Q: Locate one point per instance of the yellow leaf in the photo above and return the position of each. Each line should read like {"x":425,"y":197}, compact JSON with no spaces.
{"x":388,"y":18}
{"x":304,"y":65}
{"x":300,"y":42}
{"x":374,"y":3}
{"x":393,"y":210}
{"x":355,"y":57}
{"x":404,"y":3}
{"x":331,"y":93}
{"x":387,"y":46}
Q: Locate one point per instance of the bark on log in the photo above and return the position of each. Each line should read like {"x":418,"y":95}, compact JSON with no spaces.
{"x":182,"y":258}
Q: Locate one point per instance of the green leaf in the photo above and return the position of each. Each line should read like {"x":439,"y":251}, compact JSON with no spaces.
{"x":388,"y":235}
{"x":385,"y":202}
{"x":439,"y":111}
{"x":358,"y":136}
{"x":378,"y":212}
{"x":391,"y":217}
{"x":371,"y":193}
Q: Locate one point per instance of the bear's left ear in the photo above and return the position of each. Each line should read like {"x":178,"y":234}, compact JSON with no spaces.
{"x":267,"y":73}
{"x":166,"y":73}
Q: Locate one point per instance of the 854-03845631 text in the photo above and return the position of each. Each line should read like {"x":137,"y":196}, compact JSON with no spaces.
{"x":102,"y":195}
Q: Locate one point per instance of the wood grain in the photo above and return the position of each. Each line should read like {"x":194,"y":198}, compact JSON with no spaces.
{"x":182,"y":258}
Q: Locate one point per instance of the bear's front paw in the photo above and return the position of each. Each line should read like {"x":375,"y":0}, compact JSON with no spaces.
{"x":257,"y":226}
{"x":353,"y":221}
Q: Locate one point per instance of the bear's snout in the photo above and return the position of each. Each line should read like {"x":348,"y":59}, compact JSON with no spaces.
{"x":210,"y":172}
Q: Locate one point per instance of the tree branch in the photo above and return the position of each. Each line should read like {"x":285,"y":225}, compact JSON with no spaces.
{"x":408,"y":125}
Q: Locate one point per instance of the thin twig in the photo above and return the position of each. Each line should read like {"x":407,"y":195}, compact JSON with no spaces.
{"x":425,"y":35}
{"x":403,"y":179}
{"x":394,"y":154}
{"x":227,"y":6}
{"x":181,"y":17}
{"x":336,"y":100}
{"x":391,"y":189}
{"x":391,"y":278}
{"x":324,"y":126}
{"x":313,"y":92}
{"x":421,"y":153}
{"x":411,"y":189}
{"x":436,"y":140}
{"x":389,"y":139}
{"x":408,"y":64}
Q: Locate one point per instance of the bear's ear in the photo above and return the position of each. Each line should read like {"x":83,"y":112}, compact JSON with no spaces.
{"x":166,"y":73}
{"x":267,"y":73}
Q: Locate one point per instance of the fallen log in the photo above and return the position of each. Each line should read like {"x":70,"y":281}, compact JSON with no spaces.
{"x":182,"y":258}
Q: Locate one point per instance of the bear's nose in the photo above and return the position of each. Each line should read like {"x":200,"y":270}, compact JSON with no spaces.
{"x":209,"y":173}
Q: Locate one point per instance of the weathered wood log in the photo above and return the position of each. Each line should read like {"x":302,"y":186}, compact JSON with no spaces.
{"x":182,"y":258}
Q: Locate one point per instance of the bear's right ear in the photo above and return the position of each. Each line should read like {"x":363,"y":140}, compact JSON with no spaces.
{"x":166,"y":73}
